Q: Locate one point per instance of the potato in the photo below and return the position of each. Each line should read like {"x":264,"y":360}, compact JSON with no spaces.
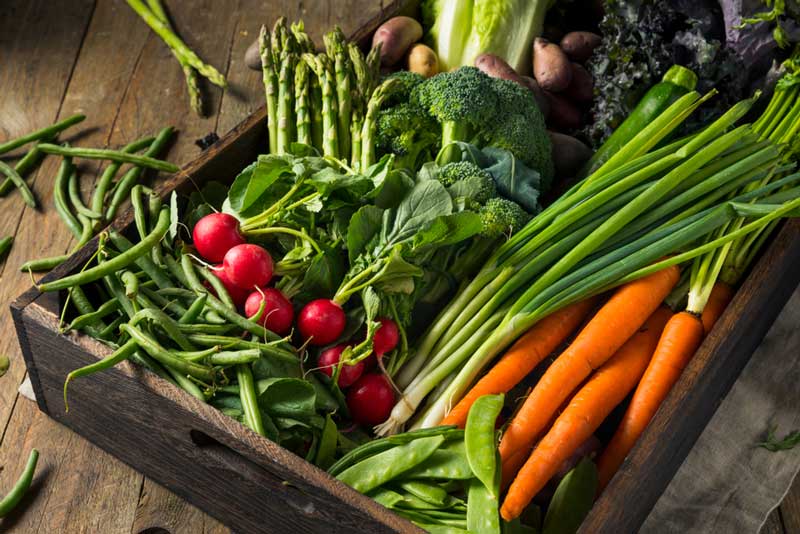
{"x":538,"y":94}
{"x":422,"y":60}
{"x":569,"y":154}
{"x":496,"y":67}
{"x":579,"y":45}
{"x":564,"y":115}
{"x":551,"y":66}
{"x":581,"y":87}
{"x":252,"y":57}
{"x":396,"y":36}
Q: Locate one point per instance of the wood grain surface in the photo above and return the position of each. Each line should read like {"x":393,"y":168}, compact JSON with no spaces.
{"x":96,"y":57}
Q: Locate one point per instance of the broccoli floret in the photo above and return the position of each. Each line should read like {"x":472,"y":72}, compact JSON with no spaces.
{"x":464,"y":179}
{"x":409,"y":133}
{"x":501,"y":216}
{"x":408,"y":81}
{"x":463,"y":101}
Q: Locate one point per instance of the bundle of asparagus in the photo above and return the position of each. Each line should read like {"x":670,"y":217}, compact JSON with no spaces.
{"x":326,"y":100}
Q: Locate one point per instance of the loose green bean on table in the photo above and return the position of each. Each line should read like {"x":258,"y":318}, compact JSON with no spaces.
{"x":111,"y":155}
{"x":13,"y":497}
{"x":43,"y":133}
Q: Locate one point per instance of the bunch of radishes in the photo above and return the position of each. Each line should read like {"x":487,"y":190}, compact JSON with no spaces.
{"x":246,"y":270}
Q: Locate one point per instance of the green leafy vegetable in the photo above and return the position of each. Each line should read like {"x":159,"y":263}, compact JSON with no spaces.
{"x":773,"y":443}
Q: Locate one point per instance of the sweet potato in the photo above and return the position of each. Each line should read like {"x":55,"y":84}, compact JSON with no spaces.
{"x":538,"y":94}
{"x":564,"y":115}
{"x":422,"y":60}
{"x":396,"y":36}
{"x":580,"y":89}
{"x":569,"y":154}
{"x":496,"y":67}
{"x":579,"y":45}
{"x":551,"y":66}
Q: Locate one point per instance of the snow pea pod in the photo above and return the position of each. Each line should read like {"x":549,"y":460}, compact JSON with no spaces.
{"x":430,"y":493}
{"x":388,"y":465}
{"x":572,"y":500}
{"x":483,"y":514}
{"x":480,"y":439}
{"x":448,"y":463}
{"x":116,"y":263}
{"x":23,"y":483}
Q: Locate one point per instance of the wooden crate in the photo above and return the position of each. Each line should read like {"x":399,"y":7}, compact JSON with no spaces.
{"x":253,"y":485}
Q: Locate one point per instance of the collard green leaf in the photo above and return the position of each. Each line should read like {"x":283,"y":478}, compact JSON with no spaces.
{"x":325,"y":272}
{"x":449,"y":230}
{"x":329,"y":180}
{"x":286,"y":397}
{"x":255,"y":179}
{"x":391,"y":188}
{"x":397,"y":275}
{"x":515,"y":180}
{"x":364,"y":226}
{"x":424,"y":203}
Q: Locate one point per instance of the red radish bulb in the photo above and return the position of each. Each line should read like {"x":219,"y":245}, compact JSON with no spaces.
{"x":278,"y":312}
{"x":386,"y":337}
{"x":370,"y":399}
{"x":238,"y":295}
{"x":248,"y":266}
{"x":330,"y":358}
{"x":322,"y":321}
{"x":215,"y":234}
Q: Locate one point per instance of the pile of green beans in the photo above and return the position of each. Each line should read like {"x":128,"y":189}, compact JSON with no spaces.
{"x":82,"y":219}
{"x":441,"y":479}
{"x":154,"y":310}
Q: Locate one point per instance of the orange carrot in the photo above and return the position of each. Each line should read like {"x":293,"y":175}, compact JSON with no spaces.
{"x":589,"y":407}
{"x":721,"y":295}
{"x":623,"y":314}
{"x":533,"y":347}
{"x":678,"y":343}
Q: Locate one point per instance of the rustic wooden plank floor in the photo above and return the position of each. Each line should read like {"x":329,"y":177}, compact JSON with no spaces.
{"x":98,"y":58}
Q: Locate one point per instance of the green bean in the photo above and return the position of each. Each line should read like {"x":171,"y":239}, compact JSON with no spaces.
{"x":23,"y":167}
{"x":152,"y":299}
{"x":131,"y":283}
{"x":139,"y":213}
{"x":74,"y":193}
{"x":43,"y":264}
{"x":17,"y":180}
{"x":120,"y":354}
{"x":165,"y":357}
{"x":388,"y":465}
{"x":128,"y":180}
{"x":60,"y":198}
{"x":177,"y":292}
{"x":104,"y":183}
{"x":5,"y":246}
{"x":78,"y":299}
{"x":86,"y":231}
{"x":376,"y":446}
{"x":449,"y":463}
{"x":480,"y":440}
{"x":482,"y":508}
{"x":143,"y":262}
{"x":153,"y":206}
{"x":115,"y":264}
{"x":194,"y":310}
{"x":233,"y":342}
{"x":234,"y":357}
{"x":143,"y":360}
{"x":43,"y":133}
{"x":213,"y":317}
{"x":219,"y":307}
{"x":176,"y":270}
{"x":105,"y":309}
{"x":23,"y":483}
{"x":166,"y":323}
{"x":111,"y":155}
{"x":186,"y":384}
{"x":110,"y":329}
{"x":249,"y":398}
{"x":219,"y":288}
{"x":213,"y":329}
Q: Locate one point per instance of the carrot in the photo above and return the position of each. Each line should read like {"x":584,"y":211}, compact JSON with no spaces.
{"x":721,"y":296}
{"x":623,"y":314}
{"x":533,"y":347}
{"x":678,"y":343}
{"x":589,"y":407}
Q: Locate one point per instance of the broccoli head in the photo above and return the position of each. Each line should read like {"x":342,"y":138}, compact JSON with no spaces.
{"x":409,"y":133}
{"x":408,"y":81}
{"x":500,"y":216}
{"x":464,"y":179}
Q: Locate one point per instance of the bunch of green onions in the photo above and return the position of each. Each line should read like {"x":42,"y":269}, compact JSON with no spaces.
{"x":646,"y":208}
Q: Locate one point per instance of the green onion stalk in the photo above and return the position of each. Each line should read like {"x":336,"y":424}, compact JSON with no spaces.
{"x":593,"y":239}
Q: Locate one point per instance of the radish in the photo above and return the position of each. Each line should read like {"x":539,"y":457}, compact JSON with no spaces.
{"x":248,"y":266}
{"x":215,"y":234}
{"x":330,"y":358}
{"x":278,"y":312}
{"x":321,"y":321}
{"x":238,"y":294}
{"x":386,"y":337}
{"x":370,"y":399}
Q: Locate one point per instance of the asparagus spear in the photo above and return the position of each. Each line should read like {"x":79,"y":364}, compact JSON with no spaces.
{"x":270,"y":86}
{"x":360,"y":75}
{"x":285,"y":103}
{"x":302,"y":112}
{"x":304,"y":42}
{"x":381,"y":93}
{"x":315,"y":109}
{"x":176,"y":44}
{"x":195,"y":99}
{"x":373,"y":62}
{"x":335,"y":44}
{"x":323,"y":68}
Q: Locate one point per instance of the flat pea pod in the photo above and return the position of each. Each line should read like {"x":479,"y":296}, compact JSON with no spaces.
{"x":13,"y":497}
{"x":234,"y":357}
{"x":379,"y":445}
{"x":165,"y":357}
{"x":442,"y":529}
{"x":114,"y":264}
{"x":120,"y":354}
{"x":483,"y":513}
{"x":386,"y":497}
{"x":388,"y":465}
{"x":449,"y":463}
{"x":430,"y":493}
{"x":480,"y":439}
{"x":572,"y":499}
{"x":194,"y":310}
